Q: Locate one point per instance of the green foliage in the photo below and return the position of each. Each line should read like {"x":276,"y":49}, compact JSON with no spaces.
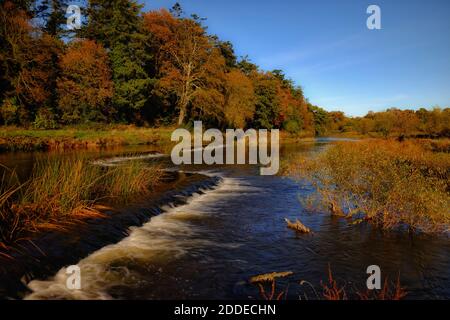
{"x":45,"y":119}
{"x":267,"y":103}
{"x":227,"y":51}
{"x":291,"y":126}
{"x":117,"y":25}
{"x":9,"y":111}
{"x":246,"y":66}
{"x":321,"y":119}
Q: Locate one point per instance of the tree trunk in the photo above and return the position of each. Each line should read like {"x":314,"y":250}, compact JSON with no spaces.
{"x":181,"y":116}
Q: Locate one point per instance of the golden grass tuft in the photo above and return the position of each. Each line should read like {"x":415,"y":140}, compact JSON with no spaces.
{"x":63,"y":192}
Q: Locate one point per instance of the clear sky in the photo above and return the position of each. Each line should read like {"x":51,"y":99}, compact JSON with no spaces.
{"x":325,"y":46}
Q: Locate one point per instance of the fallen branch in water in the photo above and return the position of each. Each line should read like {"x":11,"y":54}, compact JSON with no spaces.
{"x":269,"y":278}
{"x":297,"y":226}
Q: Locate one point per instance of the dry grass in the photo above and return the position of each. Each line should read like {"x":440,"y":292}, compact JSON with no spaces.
{"x":390,"y":183}
{"x":62,"y":192}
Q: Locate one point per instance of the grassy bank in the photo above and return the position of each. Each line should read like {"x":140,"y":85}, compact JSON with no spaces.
{"x":392,"y":184}
{"x":63,"y":191}
{"x":19,"y":139}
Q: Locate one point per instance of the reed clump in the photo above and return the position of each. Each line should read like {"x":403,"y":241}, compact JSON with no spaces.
{"x":390,"y":183}
{"x":66,"y":190}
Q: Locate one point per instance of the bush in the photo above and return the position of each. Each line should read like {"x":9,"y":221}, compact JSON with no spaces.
{"x":45,"y":120}
{"x":291,"y":126}
{"x":8,"y":111}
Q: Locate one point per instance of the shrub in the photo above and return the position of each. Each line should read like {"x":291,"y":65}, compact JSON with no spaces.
{"x":291,"y":126}
{"x":390,"y":183}
{"x":45,"y":120}
{"x":8,"y":111}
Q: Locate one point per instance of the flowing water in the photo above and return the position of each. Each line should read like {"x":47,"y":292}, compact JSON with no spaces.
{"x":208,"y":247}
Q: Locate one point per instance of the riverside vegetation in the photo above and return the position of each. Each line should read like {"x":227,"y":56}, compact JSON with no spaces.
{"x":389,"y":183}
{"x":63,"y":191}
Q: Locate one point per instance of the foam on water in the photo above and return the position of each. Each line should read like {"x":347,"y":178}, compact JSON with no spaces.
{"x":116,"y":160}
{"x":165,"y":237}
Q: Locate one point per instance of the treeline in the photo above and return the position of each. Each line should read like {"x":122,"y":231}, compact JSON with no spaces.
{"x":389,"y":123}
{"x":154,"y":68}
{"x":128,"y":66}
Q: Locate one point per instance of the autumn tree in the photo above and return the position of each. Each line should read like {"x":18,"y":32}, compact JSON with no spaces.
{"x":85,"y":87}
{"x":26,"y":65}
{"x":239,"y":99}
{"x":51,"y":15}
{"x":188,"y":65}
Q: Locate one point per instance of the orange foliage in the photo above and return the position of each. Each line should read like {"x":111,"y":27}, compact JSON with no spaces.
{"x":240,"y":99}
{"x":188,"y":64}
{"x":26,"y":57}
{"x":85,"y":85}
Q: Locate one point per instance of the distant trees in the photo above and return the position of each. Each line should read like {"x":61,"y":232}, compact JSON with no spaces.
{"x":404,"y":123}
{"x":321,"y":120}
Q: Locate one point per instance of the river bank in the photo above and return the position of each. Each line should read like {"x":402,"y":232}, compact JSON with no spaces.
{"x":69,"y":138}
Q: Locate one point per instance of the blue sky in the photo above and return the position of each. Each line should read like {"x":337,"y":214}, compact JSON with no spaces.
{"x":325,"y":46}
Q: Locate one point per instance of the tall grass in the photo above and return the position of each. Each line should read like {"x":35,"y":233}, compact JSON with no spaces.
{"x":393,"y":184}
{"x":64,"y":190}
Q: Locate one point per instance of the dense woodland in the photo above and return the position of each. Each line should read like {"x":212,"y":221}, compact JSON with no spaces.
{"x":157,"y":68}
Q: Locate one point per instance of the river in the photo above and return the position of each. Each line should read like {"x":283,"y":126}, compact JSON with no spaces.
{"x":211,"y":244}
